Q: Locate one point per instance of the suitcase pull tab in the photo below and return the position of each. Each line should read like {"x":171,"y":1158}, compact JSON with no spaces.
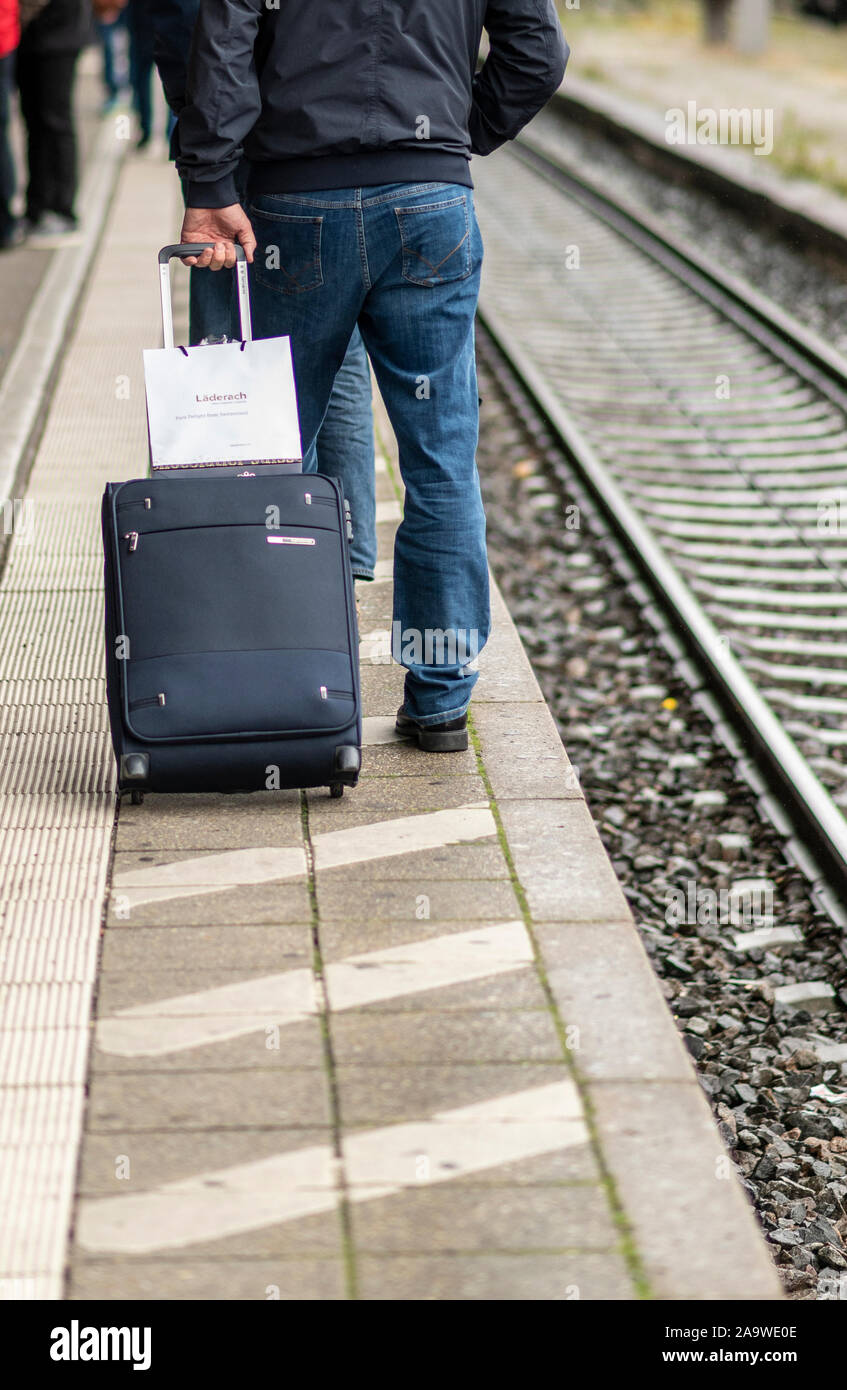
{"x":132,"y":537}
{"x":323,"y":692}
{"x":307,"y":498}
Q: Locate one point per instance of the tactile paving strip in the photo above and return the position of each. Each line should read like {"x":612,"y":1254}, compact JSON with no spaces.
{"x":56,"y":762}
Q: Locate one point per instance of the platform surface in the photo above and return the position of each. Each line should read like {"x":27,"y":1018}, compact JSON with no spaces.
{"x":405,"y":1045}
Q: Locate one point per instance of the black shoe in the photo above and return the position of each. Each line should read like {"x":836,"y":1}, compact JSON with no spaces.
{"x":449,"y":737}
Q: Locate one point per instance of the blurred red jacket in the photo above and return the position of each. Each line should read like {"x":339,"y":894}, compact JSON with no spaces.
{"x":10,"y":29}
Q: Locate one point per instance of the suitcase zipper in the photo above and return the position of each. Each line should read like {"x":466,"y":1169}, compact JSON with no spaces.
{"x":148,"y":700}
{"x":145,"y":502}
{"x":336,"y":694}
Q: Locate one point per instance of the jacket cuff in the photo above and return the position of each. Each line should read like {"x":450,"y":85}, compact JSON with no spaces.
{"x":220,"y":193}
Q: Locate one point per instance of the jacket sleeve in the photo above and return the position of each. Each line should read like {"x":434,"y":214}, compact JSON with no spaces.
{"x":525,"y":66}
{"x":173,"y":24}
{"x":223,"y":101}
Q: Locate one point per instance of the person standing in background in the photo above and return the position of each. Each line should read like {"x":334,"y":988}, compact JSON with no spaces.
{"x":50,"y":45}
{"x":10,"y":33}
{"x":141,"y":35}
{"x":109,"y":18}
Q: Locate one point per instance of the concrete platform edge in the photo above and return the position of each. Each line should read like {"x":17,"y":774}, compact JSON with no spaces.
{"x":818,"y":211}
{"x":692,"y":1233}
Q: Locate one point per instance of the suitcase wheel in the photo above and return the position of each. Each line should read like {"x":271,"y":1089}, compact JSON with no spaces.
{"x":137,"y":797}
{"x":336,"y":789}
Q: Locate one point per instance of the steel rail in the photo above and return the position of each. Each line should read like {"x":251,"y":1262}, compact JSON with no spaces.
{"x":806,"y":804}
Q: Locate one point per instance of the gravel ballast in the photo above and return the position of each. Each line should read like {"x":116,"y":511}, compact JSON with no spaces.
{"x":753,"y":972}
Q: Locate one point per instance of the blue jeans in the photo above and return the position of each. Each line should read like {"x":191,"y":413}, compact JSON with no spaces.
{"x":345,"y":450}
{"x":403,"y":261}
{"x":107,"y":34}
{"x":345,"y":445}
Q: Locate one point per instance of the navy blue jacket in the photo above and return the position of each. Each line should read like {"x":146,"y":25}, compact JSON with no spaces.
{"x":345,"y":93}
{"x":173,"y":24}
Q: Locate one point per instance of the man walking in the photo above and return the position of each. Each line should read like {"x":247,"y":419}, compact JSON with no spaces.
{"x":358,"y":121}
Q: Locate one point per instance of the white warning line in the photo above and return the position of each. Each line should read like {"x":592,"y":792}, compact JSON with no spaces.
{"x":231,"y":1011}
{"x":379,"y":729}
{"x":213,"y":873}
{"x":231,"y":1201}
{"x":210,"y":873}
{"x":406,"y":835}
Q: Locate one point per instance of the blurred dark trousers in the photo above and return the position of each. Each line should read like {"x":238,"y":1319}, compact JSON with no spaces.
{"x":107,"y":34}
{"x":46,"y":84}
{"x":141,"y":36}
{"x":8,"y":177}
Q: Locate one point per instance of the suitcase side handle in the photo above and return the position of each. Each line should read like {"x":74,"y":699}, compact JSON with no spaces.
{"x":168,"y":253}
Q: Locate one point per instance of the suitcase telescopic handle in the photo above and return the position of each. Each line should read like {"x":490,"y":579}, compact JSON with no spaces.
{"x":168,"y":253}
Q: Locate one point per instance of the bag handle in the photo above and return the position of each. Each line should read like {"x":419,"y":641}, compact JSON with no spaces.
{"x":168,"y":253}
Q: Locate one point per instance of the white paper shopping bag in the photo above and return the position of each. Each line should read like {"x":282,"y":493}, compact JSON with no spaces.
{"x":220,"y":404}
{"x":223,"y":403}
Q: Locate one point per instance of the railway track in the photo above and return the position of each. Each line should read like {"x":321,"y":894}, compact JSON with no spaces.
{"x":711,"y":430}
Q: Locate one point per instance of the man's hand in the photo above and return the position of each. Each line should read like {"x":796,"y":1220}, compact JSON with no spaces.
{"x":223,"y":226}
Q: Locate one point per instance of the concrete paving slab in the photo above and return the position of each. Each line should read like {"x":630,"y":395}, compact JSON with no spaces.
{"x":126,"y":866}
{"x":210,"y":822}
{"x":519,"y":989}
{"x":375,"y":598}
{"x":609,"y":997}
{"x":310,"y":1235}
{"x":382,"y":798}
{"x":571,"y":1165}
{"x":372,"y":1096}
{"x":448,"y":1219}
{"x":268,"y":1048}
{"x":124,"y":990}
{"x":506,"y":676}
{"x":382,"y":689}
{"x":694,"y":1229}
{"x":523,"y":753}
{"x":405,"y":759}
{"x":317,"y":1235}
{"x":538,"y":1277}
{"x":197,"y":1101}
{"x":449,"y":863}
{"x":379,"y":730}
{"x":271,"y":903}
{"x":188,"y":949}
{"x":560,"y":861}
{"x":316,"y":1279}
{"x":431,"y":1039}
{"x":400,"y":900}
{"x":150,"y":1159}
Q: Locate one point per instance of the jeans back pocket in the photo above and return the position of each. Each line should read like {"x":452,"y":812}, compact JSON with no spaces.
{"x":288,"y":256}
{"x":436,"y":241}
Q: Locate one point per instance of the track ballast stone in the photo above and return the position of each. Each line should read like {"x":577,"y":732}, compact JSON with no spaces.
{"x":700,"y":868}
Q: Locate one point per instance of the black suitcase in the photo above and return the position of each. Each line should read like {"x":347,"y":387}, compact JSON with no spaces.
{"x":231,"y":636}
